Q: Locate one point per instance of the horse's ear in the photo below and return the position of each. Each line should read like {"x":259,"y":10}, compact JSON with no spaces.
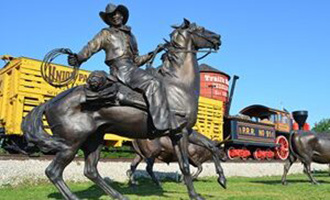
{"x":186,"y":22}
{"x":175,"y":26}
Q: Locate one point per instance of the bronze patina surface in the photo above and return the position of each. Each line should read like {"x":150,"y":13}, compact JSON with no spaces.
{"x":171,"y":97}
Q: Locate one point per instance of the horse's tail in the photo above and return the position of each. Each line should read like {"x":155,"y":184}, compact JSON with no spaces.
{"x":35,"y":133}
{"x":224,"y":141}
{"x":292,"y":146}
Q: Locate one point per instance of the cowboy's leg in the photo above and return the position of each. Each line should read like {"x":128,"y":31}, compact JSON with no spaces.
{"x":154,"y":91}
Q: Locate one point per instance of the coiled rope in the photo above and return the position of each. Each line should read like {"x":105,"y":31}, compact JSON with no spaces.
{"x":46,"y":67}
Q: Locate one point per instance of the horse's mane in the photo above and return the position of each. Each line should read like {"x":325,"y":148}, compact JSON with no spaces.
{"x":170,"y":60}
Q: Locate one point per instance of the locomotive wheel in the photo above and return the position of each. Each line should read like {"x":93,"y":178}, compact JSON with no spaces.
{"x":244,"y":157}
{"x":256,"y":154}
{"x":267,"y":157}
{"x":282,"y":151}
{"x":229,"y":150}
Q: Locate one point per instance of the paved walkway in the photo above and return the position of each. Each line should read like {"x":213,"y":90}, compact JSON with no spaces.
{"x":13,"y":172}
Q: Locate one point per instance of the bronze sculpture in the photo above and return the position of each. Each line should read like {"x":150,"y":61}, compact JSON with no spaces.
{"x":123,"y":58}
{"x":78,"y":123}
{"x":308,"y":147}
{"x":162,"y":149}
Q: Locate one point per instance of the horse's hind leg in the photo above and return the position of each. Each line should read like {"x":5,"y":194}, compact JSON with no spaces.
{"x":180,"y":145}
{"x":203,"y":141}
{"x":307,"y":166}
{"x":92,"y":149}
{"x":287,"y":166}
{"x":130,"y":173}
{"x":55,"y":172}
{"x":150,"y":164}
{"x":199,"y":170}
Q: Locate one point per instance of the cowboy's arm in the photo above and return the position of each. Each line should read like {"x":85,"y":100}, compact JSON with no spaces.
{"x":92,"y":47}
{"x":141,"y":60}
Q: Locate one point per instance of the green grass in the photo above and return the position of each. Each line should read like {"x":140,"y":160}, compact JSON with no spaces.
{"x":263,"y":188}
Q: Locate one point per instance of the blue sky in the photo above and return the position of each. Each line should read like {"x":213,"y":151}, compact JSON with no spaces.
{"x":279,"y":48}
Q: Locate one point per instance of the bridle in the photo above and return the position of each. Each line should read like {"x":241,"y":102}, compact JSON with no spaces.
{"x":171,"y":47}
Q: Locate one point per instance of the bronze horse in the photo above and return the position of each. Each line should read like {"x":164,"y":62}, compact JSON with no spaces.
{"x":308,"y":147}
{"x":81,"y":126}
{"x":162,"y":149}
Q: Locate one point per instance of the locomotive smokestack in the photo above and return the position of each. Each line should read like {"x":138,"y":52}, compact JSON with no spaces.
{"x":300,"y":117}
{"x":230,"y":98}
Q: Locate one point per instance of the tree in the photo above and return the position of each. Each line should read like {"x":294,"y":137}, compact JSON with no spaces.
{"x":322,"y":126}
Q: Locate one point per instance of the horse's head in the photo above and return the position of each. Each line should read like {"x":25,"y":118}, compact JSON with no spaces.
{"x":199,"y":37}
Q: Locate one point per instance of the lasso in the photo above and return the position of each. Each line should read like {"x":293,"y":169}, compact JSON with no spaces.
{"x":49,"y":77}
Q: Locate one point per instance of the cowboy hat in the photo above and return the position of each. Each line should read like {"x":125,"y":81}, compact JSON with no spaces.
{"x":110,"y":9}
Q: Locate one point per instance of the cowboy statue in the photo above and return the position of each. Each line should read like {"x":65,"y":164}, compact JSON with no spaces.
{"x":122,"y":57}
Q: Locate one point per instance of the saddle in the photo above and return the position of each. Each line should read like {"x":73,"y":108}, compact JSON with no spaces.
{"x":103,"y":89}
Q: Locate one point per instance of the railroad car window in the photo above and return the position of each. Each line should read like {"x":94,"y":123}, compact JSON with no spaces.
{"x":285,"y":119}
{"x":273,"y":118}
{"x":279,"y":118}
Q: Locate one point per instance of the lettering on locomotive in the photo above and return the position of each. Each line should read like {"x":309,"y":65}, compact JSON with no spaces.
{"x":257,"y":131}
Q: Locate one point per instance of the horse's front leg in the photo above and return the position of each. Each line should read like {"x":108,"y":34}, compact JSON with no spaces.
{"x":180,"y":144}
{"x":201,"y":140}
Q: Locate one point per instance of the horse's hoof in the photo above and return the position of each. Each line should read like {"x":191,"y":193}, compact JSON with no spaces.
{"x":159,"y":184}
{"x":315,"y":183}
{"x":73,"y":197}
{"x":123,"y":198}
{"x":133,"y":184}
{"x":197,"y":197}
{"x":223,"y":182}
{"x":129,"y":173}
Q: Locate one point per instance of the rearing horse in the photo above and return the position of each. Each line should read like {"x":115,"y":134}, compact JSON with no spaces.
{"x":77,"y":126}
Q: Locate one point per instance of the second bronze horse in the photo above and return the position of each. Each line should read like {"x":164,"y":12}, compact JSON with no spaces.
{"x":162,"y":149}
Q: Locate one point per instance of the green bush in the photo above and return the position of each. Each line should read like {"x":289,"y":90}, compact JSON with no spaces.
{"x":322,"y":126}
{"x":113,"y":152}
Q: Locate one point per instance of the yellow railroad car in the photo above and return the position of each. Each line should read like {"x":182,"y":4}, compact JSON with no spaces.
{"x":22,"y":88}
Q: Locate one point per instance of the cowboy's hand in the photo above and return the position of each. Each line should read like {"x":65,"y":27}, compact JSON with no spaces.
{"x":73,"y":60}
{"x":160,"y":48}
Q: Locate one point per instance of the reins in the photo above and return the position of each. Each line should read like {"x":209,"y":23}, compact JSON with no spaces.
{"x":207,"y":52}
{"x":168,"y":45}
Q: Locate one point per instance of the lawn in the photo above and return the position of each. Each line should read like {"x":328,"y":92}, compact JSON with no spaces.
{"x":263,"y":188}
